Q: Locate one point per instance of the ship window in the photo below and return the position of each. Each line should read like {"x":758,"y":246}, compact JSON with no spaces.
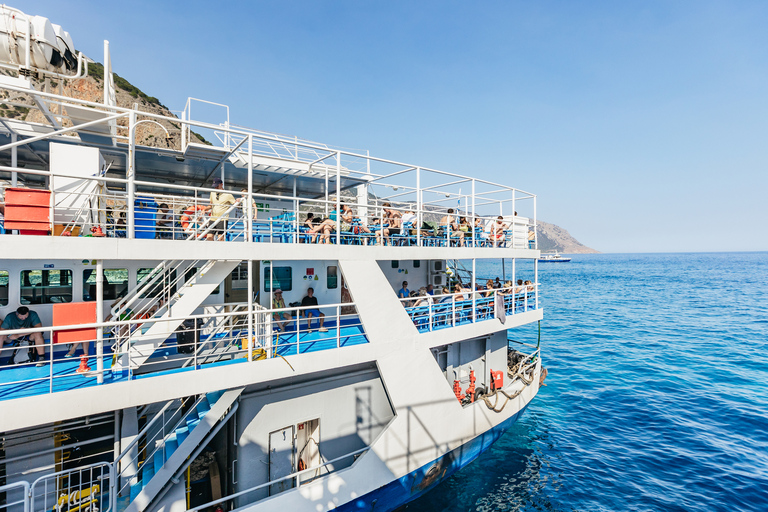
{"x":416,"y":263}
{"x":157,"y":288}
{"x":333,"y":277}
{"x":395,"y":264}
{"x":191,"y":273}
{"x":240,"y":277}
{"x":283,"y":279}
{"x":115,"y":283}
{"x":3,"y":287}
{"x":46,"y":286}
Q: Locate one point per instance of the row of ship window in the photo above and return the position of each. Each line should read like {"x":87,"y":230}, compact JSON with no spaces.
{"x":52,"y":286}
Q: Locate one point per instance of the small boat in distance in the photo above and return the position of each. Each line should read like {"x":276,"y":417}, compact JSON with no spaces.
{"x":554,"y":257}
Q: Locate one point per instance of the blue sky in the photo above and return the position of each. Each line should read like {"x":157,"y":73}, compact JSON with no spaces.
{"x":642,"y":126}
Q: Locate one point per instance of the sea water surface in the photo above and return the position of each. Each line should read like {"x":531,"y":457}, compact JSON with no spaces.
{"x":657,"y":394}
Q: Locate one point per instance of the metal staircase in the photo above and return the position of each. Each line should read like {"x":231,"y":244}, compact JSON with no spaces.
{"x":171,"y":453}
{"x":161,"y":314}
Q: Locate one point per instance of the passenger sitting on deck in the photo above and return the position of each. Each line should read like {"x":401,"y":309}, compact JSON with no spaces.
{"x":488,"y":288}
{"x":393,"y":221}
{"x":220,"y":203}
{"x":279,"y":316}
{"x":308,"y":301}
{"x":497,"y":232}
{"x":23,"y":318}
{"x":448,"y":223}
{"x":519,"y":288}
{"x":423,"y":298}
{"x":446,"y":294}
{"x":164,"y":222}
{"x":404,"y":292}
{"x":309,"y":224}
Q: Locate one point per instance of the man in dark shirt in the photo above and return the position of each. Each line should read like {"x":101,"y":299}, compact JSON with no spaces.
{"x":23,"y":318}
{"x":308,"y":301}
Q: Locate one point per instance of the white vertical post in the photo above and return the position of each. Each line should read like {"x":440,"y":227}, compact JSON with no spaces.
{"x":338,"y":198}
{"x":107,"y":68}
{"x":296,"y":209}
{"x":418,"y":207}
{"x":536,"y":281}
{"x":183,"y":131}
{"x":514,"y":223}
{"x":338,"y":326}
{"x":472,"y":223}
{"x":535,"y":229}
{"x":131,"y":174}
{"x":99,"y":319}
{"x":249,"y":217}
{"x":514,"y":287}
{"x":251,"y":340}
{"x":474,"y":295}
{"x":14,"y":161}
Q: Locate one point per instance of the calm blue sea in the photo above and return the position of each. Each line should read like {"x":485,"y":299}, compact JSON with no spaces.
{"x":657,"y":395}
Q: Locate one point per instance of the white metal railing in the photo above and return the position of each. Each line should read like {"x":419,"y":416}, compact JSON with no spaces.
{"x":102,"y":211}
{"x":440,"y":311}
{"x":292,"y":476}
{"x":427,"y":193}
{"x":96,"y":487}
{"x":85,"y":488}
{"x":276,"y":332}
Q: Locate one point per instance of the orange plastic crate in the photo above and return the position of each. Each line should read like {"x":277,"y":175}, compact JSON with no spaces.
{"x":74,"y":313}
{"x":27,"y":197}
{"x":27,"y":213}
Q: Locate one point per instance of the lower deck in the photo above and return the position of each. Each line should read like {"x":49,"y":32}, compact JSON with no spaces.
{"x":61,"y":373}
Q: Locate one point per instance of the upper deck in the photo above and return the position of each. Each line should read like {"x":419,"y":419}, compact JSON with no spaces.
{"x":84,"y":160}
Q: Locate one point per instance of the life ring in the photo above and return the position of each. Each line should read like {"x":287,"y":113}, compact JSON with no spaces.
{"x":191,"y":216}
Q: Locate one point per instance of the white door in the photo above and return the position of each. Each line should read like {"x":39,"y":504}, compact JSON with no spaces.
{"x":281,"y":459}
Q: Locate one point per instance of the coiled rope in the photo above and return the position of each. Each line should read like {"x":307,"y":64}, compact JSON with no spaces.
{"x":517,"y":372}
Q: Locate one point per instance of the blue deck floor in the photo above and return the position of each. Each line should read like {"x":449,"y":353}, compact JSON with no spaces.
{"x":24,"y":381}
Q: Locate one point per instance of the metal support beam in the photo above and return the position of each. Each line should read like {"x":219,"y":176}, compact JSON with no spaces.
{"x":99,"y":318}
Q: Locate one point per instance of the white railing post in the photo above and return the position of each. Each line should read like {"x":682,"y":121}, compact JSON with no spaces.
{"x":249,"y":217}
{"x":99,"y":318}
{"x":131,"y":225}
{"x":453,"y":310}
{"x":535,"y":228}
{"x":418,"y":207}
{"x":429,"y":313}
{"x":338,"y":198}
{"x":536,"y":282}
{"x":474,"y":294}
{"x":514,"y":288}
{"x":251,"y":340}
{"x":338,"y":326}
{"x":472,"y":224}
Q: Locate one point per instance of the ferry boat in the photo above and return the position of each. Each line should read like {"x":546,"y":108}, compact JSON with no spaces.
{"x":162,"y":349}
{"x":554,"y":258}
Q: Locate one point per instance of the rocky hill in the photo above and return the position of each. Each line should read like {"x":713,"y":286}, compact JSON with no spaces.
{"x":555,"y":238}
{"x":91,"y":88}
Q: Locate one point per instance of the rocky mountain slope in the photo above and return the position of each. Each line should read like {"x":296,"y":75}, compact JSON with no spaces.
{"x":555,"y":238}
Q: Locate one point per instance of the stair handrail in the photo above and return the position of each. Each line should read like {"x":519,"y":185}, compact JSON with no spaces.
{"x":143,"y":432}
{"x":172,"y":283}
{"x":141,"y":287}
{"x":149,"y":450}
{"x":218,"y":330}
{"x":223,"y":216}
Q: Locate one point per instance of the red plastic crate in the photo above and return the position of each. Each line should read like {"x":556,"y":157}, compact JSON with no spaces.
{"x":27,"y":197}
{"x":35,"y":232}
